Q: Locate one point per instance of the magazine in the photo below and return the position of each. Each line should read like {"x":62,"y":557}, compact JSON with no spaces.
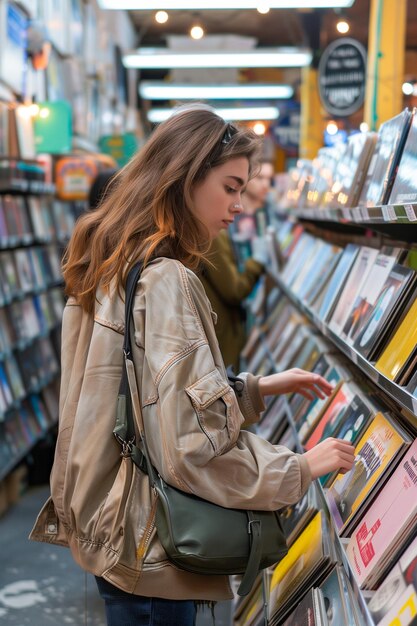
{"x":382,"y":314}
{"x":375,"y":454}
{"x":386,"y":525}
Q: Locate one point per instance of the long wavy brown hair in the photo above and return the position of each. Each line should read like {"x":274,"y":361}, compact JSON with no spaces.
{"x":147,"y":211}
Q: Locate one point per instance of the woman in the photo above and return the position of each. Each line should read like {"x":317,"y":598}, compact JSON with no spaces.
{"x":166,"y":205}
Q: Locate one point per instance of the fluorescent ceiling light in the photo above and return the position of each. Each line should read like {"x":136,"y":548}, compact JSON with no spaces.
{"x":194,"y":5}
{"x":239,"y":113}
{"x":148,"y":58}
{"x":154,"y":90}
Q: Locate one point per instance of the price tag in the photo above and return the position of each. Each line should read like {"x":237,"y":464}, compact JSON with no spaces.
{"x":346,"y":214}
{"x":357,"y":216}
{"x":409,"y":209}
{"x":388,"y":213}
{"x":365,"y":213}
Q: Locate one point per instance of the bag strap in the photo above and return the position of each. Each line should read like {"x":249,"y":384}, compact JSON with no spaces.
{"x":128,"y":402}
{"x":254,"y":560}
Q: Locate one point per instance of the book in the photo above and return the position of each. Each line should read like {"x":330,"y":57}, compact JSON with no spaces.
{"x":388,"y":150}
{"x":9,"y":275}
{"x":337,"y":599}
{"x":382,"y":314}
{"x":306,"y":422}
{"x":355,"y":420}
{"x":310,"y":610}
{"x":356,"y":278}
{"x":375,"y":454}
{"x":249,"y":610}
{"x":314,"y":292}
{"x":386,"y":525}
{"x":400,"y":352}
{"x":369,"y":292}
{"x":274,"y":420}
{"x":14,"y":377}
{"x":24,"y":270}
{"x":404,"y":188}
{"x":351,"y":170}
{"x":332,"y":416}
{"x":336,"y":282}
{"x":298,"y":258}
{"x":395,"y":601}
{"x":307,"y":563}
{"x":296,"y":517}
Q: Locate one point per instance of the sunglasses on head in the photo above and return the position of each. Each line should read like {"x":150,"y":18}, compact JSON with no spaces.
{"x":228,"y":133}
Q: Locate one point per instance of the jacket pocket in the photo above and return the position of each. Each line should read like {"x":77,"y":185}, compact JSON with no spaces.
{"x":217,"y":410}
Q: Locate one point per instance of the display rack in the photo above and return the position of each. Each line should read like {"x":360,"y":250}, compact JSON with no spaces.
{"x":397,"y":396}
{"x":361,"y":608}
{"x":34,"y":228}
{"x":394,"y":391}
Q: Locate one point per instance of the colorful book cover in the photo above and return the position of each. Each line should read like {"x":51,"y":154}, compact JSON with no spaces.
{"x":357,"y":276}
{"x":369,"y":292}
{"x":294,"y":518}
{"x":331,"y":418}
{"x":400,"y":348}
{"x":380,"y":529}
{"x":337,"y":280}
{"x":307,"y":421}
{"x":404,"y":188}
{"x":352,"y":168}
{"x":305,"y":612}
{"x":381,"y":173}
{"x":313,"y":294}
{"x":395,"y":601}
{"x":336,"y":599}
{"x":302,"y":556}
{"x":374,"y":452}
{"x":380,"y":315}
{"x":355,"y":419}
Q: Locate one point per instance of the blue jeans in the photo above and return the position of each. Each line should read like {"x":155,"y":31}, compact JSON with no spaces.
{"x":126,"y":609}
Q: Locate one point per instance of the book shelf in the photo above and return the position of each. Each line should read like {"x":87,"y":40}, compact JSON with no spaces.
{"x":394,"y":391}
{"x":34,"y":228}
{"x":361,"y":608}
{"x":396,"y":396}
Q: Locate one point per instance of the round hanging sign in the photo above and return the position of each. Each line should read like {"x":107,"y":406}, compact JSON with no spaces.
{"x":342,"y":75}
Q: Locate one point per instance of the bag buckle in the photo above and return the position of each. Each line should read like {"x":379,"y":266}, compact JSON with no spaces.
{"x":252,"y":521}
{"x":127,"y":448}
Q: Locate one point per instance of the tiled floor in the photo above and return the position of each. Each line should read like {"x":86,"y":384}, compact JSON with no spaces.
{"x":40,"y":584}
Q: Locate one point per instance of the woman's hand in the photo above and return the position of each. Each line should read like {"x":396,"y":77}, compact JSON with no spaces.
{"x":330,"y":455}
{"x":295,"y":380}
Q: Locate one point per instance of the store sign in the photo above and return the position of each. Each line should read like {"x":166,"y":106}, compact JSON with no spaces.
{"x":342,"y":74}
{"x":286,"y":130}
{"x":120,"y":147}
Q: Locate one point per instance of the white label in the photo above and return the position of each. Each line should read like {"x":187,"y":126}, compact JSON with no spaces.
{"x":388,"y":213}
{"x":365,"y":213}
{"x":409,"y":209}
{"x":357,"y":216}
{"x":346,"y":214}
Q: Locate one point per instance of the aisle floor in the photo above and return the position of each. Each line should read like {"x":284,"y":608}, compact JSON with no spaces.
{"x":41,"y":585}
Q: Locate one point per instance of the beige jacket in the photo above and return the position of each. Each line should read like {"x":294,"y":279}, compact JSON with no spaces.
{"x":101,"y":505}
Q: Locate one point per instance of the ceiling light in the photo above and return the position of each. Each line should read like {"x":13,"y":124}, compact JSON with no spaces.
{"x":154,"y":90}
{"x":161,"y":17}
{"x":363,"y":127}
{"x":232,"y":114}
{"x":259,"y":128}
{"x":332,"y":128}
{"x":147,"y":58}
{"x":408,"y":89}
{"x":197,"y":32}
{"x":195,"y":5}
{"x":342,"y":27}
{"x":263,"y":9}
